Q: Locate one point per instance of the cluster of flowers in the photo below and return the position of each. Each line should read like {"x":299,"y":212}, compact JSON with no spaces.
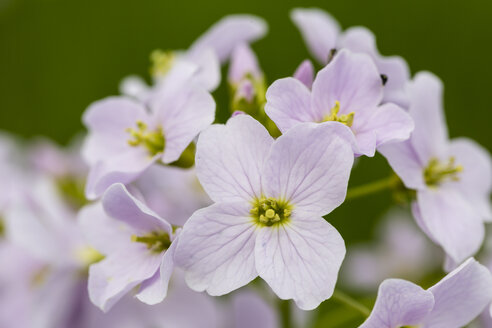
{"x":157,"y":195}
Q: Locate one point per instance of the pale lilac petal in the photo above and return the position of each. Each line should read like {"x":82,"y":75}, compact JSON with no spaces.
{"x":395,"y":68}
{"x":120,"y":205}
{"x":399,"y":303}
{"x":305,"y":73}
{"x":183,"y":114}
{"x":430,"y":134}
{"x":300,"y":259}
{"x":289,"y":103}
{"x":230,"y":157}
{"x":230,"y":31}
{"x":243,"y":62}
{"x":122,"y":168}
{"x":351,"y":79}
{"x":461,"y":296}
{"x":405,"y":162}
{"x":116,"y":275}
{"x":475,"y":181}
{"x":208,"y":69}
{"x":318,"y":29}
{"x":216,"y":248}
{"x":154,"y":290}
{"x":388,"y":123}
{"x":102,"y":232}
{"x":136,"y":87}
{"x":310,"y":166}
{"x":251,"y":310}
{"x":451,"y":222}
{"x":107,"y":121}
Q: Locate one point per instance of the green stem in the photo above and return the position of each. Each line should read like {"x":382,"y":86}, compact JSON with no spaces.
{"x":285,"y":315}
{"x":373,"y":187}
{"x":345,"y":299}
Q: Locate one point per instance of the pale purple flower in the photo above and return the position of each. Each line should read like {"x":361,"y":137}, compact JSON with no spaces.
{"x":137,"y":243}
{"x":204,"y":56}
{"x":453,"y":178}
{"x":452,"y":303}
{"x":305,"y":73}
{"x":269,"y":196}
{"x":323,"y":37}
{"x":125,"y":138}
{"x":401,"y":251}
{"x":251,"y":310}
{"x":348,"y":91}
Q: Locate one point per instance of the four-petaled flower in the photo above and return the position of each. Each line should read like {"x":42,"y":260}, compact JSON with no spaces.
{"x":270,"y":196}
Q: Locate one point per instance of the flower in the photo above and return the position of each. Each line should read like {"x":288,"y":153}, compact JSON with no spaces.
{"x":125,"y":138}
{"x":452,"y":303}
{"x":348,"y":91}
{"x":137,"y":243}
{"x":452,"y":179}
{"x":305,"y":73}
{"x":267,"y":218}
{"x":204,"y":56}
{"x":323,"y":37}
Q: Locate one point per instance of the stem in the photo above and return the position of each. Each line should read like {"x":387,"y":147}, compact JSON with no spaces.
{"x":285,"y":315}
{"x":372,"y":187}
{"x":345,"y":299}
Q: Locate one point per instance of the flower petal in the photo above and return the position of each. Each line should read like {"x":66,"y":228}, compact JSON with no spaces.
{"x":305,"y":73}
{"x":208,"y":68}
{"x":318,"y":29}
{"x":107,"y":121}
{"x":475,"y":182}
{"x":229,"y":159}
{"x":300,"y":259}
{"x":450,"y":221}
{"x":399,"y":303}
{"x":353,"y":80}
{"x":243,"y":62}
{"x":230,"y":31}
{"x":461,"y":296}
{"x":430,"y":135}
{"x":309,"y":166}
{"x":405,"y":162}
{"x":216,"y":248}
{"x":251,"y":310}
{"x":120,"y":205}
{"x":116,"y":275}
{"x":289,"y":103}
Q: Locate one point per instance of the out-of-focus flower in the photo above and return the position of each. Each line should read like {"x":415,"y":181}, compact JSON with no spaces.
{"x":453,"y":179}
{"x":250,"y":310}
{"x":125,"y":138}
{"x":137,"y":243}
{"x":323,"y":37}
{"x":172,"y":193}
{"x":270,"y":196}
{"x":401,"y":252}
{"x":204,"y":56}
{"x":452,"y":303}
{"x":305,"y":73}
{"x":347,"y":91}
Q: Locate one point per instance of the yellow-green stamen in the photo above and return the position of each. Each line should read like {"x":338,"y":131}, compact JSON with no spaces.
{"x":270,"y":211}
{"x":437,"y":172}
{"x":347,"y":119}
{"x":88,"y":256}
{"x":154,"y":141}
{"x":162,"y":62}
{"x":156,"y":241}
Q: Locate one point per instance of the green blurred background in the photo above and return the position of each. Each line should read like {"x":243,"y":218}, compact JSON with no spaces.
{"x":57,"y":56}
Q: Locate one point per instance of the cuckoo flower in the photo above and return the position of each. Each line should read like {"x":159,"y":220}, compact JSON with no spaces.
{"x":125,"y":138}
{"x":323,"y":37}
{"x":269,"y":197}
{"x":452,"y":178}
{"x":348,"y":91}
{"x":305,"y":73}
{"x":452,"y":303}
{"x":205,"y":55}
{"x":137,"y":243}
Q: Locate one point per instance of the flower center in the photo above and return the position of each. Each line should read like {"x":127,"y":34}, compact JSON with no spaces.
{"x":154,"y":141}
{"x":162,"y":62}
{"x":270,"y":211}
{"x":348,"y":120}
{"x":156,"y":241}
{"x":437,"y":172}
